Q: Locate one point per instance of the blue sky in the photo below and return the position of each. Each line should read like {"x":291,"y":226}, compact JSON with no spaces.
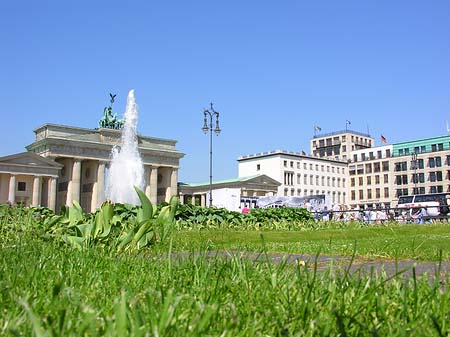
{"x":274,"y":69}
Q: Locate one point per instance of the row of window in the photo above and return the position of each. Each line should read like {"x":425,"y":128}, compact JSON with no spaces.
{"x":311,"y":166}
{"x":420,"y":190}
{"x":369,"y":168}
{"x":311,"y":180}
{"x":418,"y":178}
{"x":369,"y":180}
{"x":422,"y":149}
{"x":371,"y":155}
{"x":369,"y":193}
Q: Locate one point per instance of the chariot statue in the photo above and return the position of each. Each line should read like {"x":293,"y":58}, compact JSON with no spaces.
{"x":109,"y":119}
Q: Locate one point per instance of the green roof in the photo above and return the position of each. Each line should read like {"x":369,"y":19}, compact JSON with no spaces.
{"x":227,"y":181}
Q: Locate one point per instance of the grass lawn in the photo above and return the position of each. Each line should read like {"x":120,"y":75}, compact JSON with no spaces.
{"x":422,"y":242}
{"x":49,"y":289}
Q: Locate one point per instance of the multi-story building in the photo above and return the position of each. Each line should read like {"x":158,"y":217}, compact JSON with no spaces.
{"x":338,"y":145}
{"x":299,"y":174}
{"x":421,"y":166}
{"x":380,"y":175}
{"x":370,"y":177}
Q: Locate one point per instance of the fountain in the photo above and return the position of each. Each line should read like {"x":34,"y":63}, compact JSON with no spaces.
{"x":126,"y":170}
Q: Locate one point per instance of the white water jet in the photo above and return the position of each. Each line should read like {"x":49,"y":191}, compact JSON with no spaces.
{"x":126,"y":170}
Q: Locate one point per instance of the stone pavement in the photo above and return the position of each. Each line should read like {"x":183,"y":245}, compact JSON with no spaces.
{"x":359,"y":265}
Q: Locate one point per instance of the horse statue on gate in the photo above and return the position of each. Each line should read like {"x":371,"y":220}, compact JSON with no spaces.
{"x":109,"y":119}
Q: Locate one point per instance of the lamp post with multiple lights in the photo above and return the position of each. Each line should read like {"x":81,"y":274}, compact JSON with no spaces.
{"x":210,"y":128}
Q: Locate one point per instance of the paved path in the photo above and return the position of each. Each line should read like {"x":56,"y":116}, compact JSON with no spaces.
{"x":405,"y":268}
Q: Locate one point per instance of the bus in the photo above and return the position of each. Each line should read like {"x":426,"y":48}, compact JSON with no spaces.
{"x":435,"y":204}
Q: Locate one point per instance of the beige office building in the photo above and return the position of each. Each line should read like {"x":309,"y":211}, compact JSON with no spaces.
{"x":338,"y":145}
{"x":66,"y":164}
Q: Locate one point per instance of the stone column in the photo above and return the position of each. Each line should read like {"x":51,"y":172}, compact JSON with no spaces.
{"x":203,"y":200}
{"x":172,"y":189}
{"x":98,"y":190}
{"x":76,"y":180}
{"x":193,"y":200}
{"x":153,"y":188}
{"x":36,"y":200}
{"x":52,"y":193}
{"x":12,"y":189}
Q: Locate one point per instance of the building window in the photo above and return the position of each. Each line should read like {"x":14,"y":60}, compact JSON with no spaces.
{"x":258,"y":167}
{"x":420,"y":161}
{"x":369,"y":194}
{"x":376,"y":167}
{"x":360,"y":181}
{"x":353,"y":195}
{"x":388,"y":153}
{"x":22,"y":186}
{"x":377,"y":179}
{"x":361,"y":194}
{"x":432,"y":176}
{"x":285,"y":163}
{"x":299,"y":177}
{"x":431,"y":163}
{"x":369,"y":180}
{"x":386,"y":178}
{"x":386,"y":192}
{"x":385,"y":166}
{"x":292,"y":164}
{"x":433,"y":148}
{"x":352,"y":182}
{"x":379,"y":154}
{"x":377,"y":193}
{"x":369,"y":168}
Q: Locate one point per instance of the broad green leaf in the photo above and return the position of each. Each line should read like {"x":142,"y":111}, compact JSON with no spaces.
{"x":146,"y":205}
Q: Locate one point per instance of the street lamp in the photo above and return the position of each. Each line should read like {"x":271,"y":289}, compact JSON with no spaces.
{"x":414,"y":167}
{"x":210,"y":128}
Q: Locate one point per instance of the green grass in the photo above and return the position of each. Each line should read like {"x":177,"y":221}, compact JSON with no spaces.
{"x":175,"y":289}
{"x":51,"y":290}
{"x":424,"y":242}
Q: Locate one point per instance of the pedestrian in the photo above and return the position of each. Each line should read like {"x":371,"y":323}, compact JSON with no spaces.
{"x":325,"y":214}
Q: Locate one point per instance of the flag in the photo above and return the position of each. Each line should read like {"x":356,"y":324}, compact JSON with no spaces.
{"x":348,"y":122}
{"x":383,"y":140}
{"x":317,"y":128}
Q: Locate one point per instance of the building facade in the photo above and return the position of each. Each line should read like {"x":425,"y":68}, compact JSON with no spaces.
{"x":338,"y":145}
{"x":370,"y":177}
{"x":421,"y":166}
{"x":66,"y":164}
{"x":299,"y":174}
{"x":232,"y":194}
